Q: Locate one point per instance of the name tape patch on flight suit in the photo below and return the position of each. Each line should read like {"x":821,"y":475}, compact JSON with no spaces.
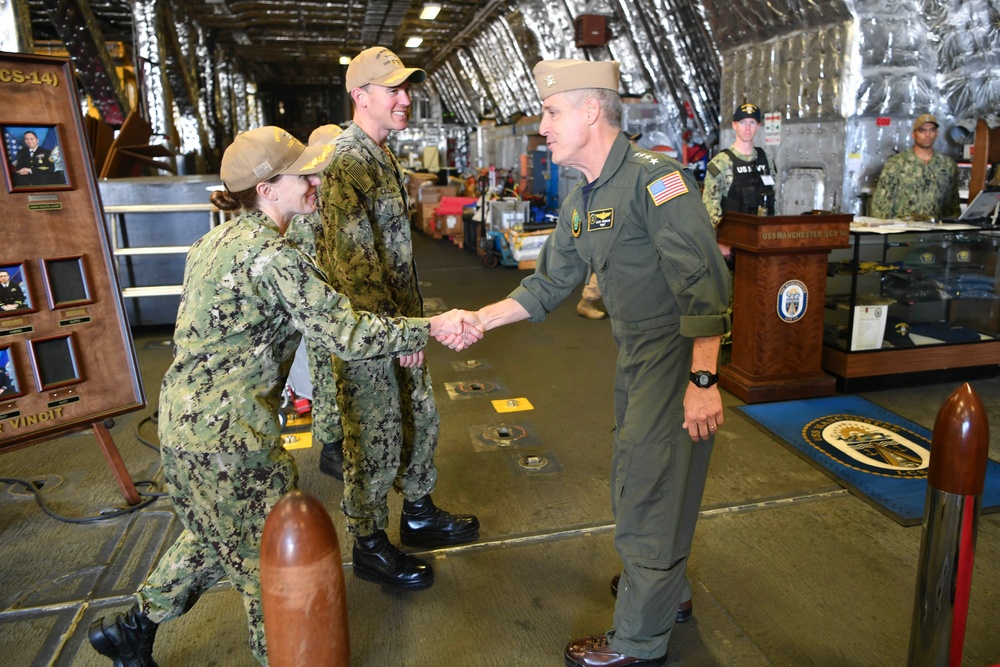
{"x":600,"y":219}
{"x":666,"y":188}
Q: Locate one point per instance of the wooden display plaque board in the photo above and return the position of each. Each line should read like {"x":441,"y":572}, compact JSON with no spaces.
{"x":67,"y":361}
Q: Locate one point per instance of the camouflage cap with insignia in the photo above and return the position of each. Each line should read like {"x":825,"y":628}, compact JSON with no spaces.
{"x":382,"y":67}
{"x":261,"y":154}
{"x":925,"y":118}
{"x":558,"y":76}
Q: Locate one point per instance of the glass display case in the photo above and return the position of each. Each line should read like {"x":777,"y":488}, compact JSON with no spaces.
{"x":922,"y":298}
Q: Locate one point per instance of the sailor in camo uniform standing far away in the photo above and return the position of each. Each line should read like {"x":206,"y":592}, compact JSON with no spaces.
{"x":919,"y":183}
{"x":248,"y":296}
{"x":741,"y":177}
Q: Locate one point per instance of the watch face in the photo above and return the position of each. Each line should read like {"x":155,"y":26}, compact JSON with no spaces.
{"x":702,"y":379}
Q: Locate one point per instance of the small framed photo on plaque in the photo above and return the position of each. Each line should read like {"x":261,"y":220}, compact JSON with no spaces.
{"x":15,"y":296}
{"x":10,"y":383}
{"x":33,"y":158}
{"x":55,"y":362}
{"x":66,"y":281}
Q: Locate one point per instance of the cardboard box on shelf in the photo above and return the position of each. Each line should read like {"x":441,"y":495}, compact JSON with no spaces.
{"x":435,"y":192}
{"x":427,"y":217}
{"x":447,"y":224}
{"x":414,"y":180}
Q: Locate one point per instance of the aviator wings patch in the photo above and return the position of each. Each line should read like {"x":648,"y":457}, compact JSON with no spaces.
{"x":600,"y":219}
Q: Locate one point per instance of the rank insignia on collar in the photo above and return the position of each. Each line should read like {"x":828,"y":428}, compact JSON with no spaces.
{"x":601,"y":219}
{"x":577,"y":223}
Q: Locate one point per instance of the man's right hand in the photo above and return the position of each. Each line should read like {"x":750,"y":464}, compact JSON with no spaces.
{"x":457,"y":329}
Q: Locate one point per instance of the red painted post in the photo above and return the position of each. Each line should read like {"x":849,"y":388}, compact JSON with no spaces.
{"x":302,"y":586}
{"x":959,"y":450}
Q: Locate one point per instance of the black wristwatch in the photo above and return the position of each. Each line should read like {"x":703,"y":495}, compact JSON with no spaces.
{"x":703,"y":379}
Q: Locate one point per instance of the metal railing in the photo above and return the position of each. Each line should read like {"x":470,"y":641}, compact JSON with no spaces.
{"x":119,"y":248}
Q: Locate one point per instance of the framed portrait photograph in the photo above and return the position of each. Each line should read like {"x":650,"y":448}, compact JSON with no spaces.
{"x":15,"y":294}
{"x":66,"y":281}
{"x":10,"y":383}
{"x":55,"y":362}
{"x":33,"y":158}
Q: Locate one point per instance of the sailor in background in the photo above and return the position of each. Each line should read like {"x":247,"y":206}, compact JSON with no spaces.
{"x":740,"y":178}
{"x":918,"y":183}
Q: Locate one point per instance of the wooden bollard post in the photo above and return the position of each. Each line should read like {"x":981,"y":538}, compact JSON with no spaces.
{"x":302,"y":586}
{"x":959,"y":450}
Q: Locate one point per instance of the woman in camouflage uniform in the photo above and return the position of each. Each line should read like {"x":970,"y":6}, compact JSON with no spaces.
{"x":249,"y":294}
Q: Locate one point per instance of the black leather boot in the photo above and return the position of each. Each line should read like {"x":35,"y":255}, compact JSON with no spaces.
{"x":127,"y":640}
{"x":424,"y":525}
{"x":331,"y":459}
{"x":376,"y":559}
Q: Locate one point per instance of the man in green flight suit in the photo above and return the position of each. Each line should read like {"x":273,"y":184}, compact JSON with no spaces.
{"x":387,"y":408}
{"x":640,"y":225}
{"x":920,"y":182}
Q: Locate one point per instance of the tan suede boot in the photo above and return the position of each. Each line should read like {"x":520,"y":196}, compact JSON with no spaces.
{"x":589,"y":310}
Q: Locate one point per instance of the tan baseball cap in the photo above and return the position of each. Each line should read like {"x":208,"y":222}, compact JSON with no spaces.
{"x":558,"y":76}
{"x":926,"y":118}
{"x":324,"y":134}
{"x":266,"y":152}
{"x":382,"y":67}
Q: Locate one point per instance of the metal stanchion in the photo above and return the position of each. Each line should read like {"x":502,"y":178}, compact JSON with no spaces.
{"x":302,"y":586}
{"x":955,"y":481}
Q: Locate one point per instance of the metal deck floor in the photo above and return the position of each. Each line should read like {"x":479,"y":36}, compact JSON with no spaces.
{"x":788,"y":568}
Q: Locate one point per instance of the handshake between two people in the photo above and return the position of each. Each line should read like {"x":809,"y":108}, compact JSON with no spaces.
{"x":456,"y":329}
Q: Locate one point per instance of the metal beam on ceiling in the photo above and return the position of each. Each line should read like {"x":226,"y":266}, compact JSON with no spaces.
{"x":82,"y":37}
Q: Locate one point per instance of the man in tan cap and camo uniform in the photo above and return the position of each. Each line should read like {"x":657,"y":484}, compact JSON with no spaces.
{"x":640,"y":225}
{"x":920,"y":182}
{"x":387,"y":407}
{"x":327,"y":433}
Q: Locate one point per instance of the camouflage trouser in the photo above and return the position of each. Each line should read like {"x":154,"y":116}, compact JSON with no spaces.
{"x":390,"y":433}
{"x":326,"y":428}
{"x":222,"y":500}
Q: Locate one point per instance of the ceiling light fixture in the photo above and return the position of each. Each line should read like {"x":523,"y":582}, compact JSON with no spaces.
{"x":414,"y":42}
{"x":345,"y":60}
{"x":430,"y":11}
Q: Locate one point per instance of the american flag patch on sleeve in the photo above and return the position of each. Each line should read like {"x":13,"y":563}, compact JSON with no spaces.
{"x":666,"y":188}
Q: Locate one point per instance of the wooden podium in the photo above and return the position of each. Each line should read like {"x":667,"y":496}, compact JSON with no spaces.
{"x":779,"y":295}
